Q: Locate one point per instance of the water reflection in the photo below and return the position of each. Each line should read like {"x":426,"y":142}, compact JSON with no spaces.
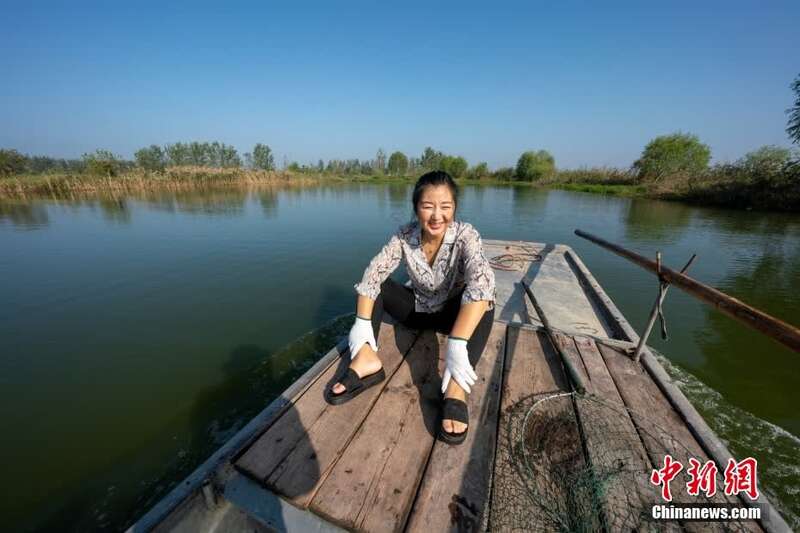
{"x":749,"y":223}
{"x":26,"y":216}
{"x":656,"y":222}
{"x":115,"y":210}
{"x":750,"y":359}
{"x":528,"y":203}
{"x":268,"y":198}
{"x":399,"y":195}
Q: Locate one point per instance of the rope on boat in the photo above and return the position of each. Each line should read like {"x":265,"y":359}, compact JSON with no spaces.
{"x":515,"y":261}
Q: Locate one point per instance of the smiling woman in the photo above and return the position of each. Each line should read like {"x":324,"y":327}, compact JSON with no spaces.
{"x":453,"y":291}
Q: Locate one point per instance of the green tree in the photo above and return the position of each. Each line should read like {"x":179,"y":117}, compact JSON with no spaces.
{"x":380,"y":161}
{"x":178,"y":154}
{"x":766,"y":160}
{"x":102,"y":163}
{"x":793,"y":125}
{"x":668,"y":155}
{"x":263,"y":158}
{"x":201,"y":154}
{"x":479,"y":171}
{"x":534,"y":166}
{"x":456,"y":166}
{"x":398,"y":164}
{"x":12,"y":162}
{"x":430,"y":159}
{"x":151,"y":158}
{"x":504,"y":174}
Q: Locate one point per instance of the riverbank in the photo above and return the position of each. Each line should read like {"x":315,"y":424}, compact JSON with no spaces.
{"x":727,"y":186}
{"x":173,"y":178}
{"x":721,"y":187}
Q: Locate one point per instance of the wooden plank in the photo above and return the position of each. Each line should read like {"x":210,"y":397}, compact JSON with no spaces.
{"x":296,"y":452}
{"x":372,"y":486}
{"x":618,"y":459}
{"x":533,"y":373}
{"x":455,"y":487}
{"x":662,"y":430}
{"x":771,"y":519}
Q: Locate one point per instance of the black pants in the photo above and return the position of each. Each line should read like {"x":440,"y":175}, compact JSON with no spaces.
{"x":398,"y":300}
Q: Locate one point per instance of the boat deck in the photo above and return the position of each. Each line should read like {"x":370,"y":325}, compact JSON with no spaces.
{"x":374,"y":464}
{"x":537,"y":457}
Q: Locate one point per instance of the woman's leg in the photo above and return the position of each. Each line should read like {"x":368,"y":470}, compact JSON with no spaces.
{"x":397,"y":300}
{"x":475,"y":346}
{"x":477,"y":341}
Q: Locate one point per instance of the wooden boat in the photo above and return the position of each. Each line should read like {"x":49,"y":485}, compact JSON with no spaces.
{"x":373,"y":464}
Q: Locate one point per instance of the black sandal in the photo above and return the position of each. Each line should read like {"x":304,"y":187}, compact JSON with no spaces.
{"x":453,"y":409}
{"x":353,"y":386}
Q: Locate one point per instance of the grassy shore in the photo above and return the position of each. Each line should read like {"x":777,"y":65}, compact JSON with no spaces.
{"x":723,"y":186}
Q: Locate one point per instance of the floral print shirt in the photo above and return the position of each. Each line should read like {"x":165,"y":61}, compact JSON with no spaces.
{"x":460,"y":263}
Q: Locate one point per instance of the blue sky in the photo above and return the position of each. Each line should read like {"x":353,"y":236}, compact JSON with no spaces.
{"x":591,"y":83}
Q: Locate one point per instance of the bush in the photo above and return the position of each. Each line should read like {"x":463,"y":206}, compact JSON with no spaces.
{"x":479,"y":171}
{"x":668,"y":155}
{"x":12,"y":162}
{"x":504,"y":174}
{"x":534,"y":166}
{"x":398,"y":164}
{"x":102,"y":163}
{"x":151,"y":158}
{"x":456,"y":166}
{"x":766,"y":160}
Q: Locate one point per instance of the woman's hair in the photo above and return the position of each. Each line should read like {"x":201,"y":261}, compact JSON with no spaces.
{"x":434,"y":178}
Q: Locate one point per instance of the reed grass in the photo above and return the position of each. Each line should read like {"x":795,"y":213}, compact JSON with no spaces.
{"x":173,"y":178}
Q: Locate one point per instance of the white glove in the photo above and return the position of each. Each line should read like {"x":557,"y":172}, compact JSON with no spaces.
{"x":360,"y":334}
{"x":457,"y":365}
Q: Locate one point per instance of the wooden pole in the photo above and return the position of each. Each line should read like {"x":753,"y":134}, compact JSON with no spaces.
{"x":577,"y":382}
{"x":777,"y":329}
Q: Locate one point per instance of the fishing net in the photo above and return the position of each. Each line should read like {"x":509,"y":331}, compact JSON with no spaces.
{"x":574,"y":462}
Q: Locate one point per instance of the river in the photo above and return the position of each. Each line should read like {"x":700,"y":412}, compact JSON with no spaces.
{"x":139,"y":332}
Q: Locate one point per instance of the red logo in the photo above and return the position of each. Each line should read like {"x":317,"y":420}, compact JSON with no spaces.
{"x":666,"y":474}
{"x":739,"y":477}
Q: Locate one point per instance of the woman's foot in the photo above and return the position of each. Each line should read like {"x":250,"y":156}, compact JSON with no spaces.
{"x":365,"y":363}
{"x":454,"y":390}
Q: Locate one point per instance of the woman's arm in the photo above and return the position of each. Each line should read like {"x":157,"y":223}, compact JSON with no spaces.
{"x":364,"y":306}
{"x":378,"y":270}
{"x":468,"y":317}
{"x":479,"y":291}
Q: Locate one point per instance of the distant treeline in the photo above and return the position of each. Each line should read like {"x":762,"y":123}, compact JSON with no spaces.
{"x":674,"y":166}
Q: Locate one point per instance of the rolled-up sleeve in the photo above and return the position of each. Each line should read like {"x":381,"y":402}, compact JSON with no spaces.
{"x":380,"y":268}
{"x":478,"y":274}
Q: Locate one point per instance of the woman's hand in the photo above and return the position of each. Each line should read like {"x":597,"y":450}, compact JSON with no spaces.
{"x":360,"y":334}
{"x":457,"y":365}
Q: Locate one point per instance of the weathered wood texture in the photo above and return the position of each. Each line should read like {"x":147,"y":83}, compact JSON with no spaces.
{"x":615,"y":452}
{"x":294,"y":455}
{"x":532,"y":372}
{"x":455,"y":488}
{"x":373,"y":484}
{"x":661,"y":429}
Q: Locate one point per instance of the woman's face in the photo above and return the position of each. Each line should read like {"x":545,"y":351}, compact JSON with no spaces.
{"x":435,"y":210}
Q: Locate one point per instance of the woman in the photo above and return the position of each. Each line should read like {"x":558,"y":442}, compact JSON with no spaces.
{"x":453,"y":291}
